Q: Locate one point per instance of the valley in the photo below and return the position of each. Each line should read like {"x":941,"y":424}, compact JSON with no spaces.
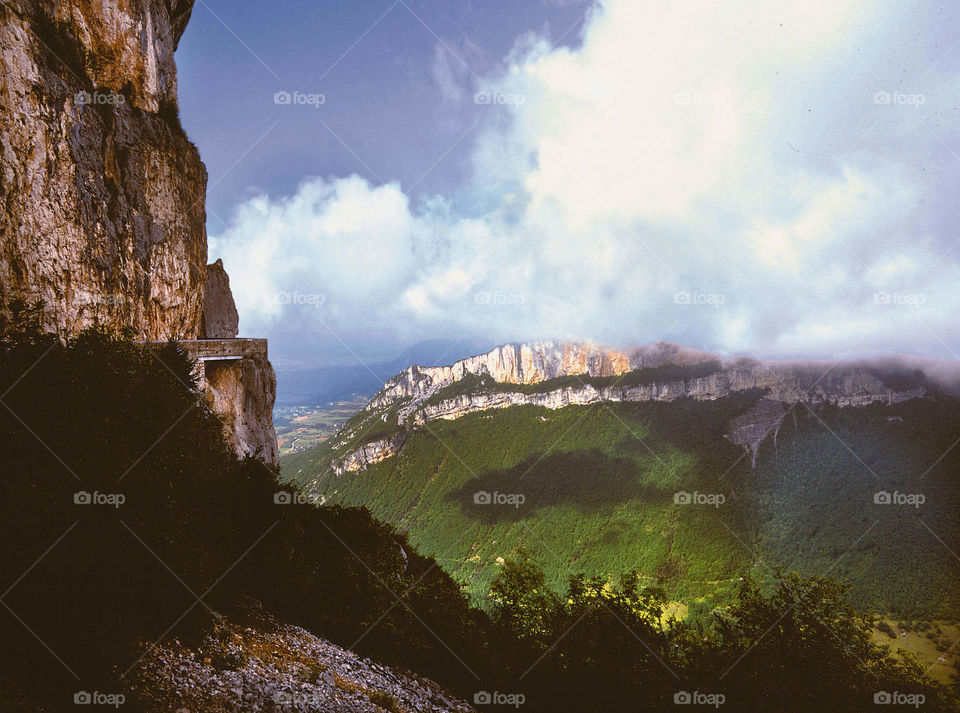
{"x":931,"y":642}
{"x":692,"y":489}
{"x":302,"y":427}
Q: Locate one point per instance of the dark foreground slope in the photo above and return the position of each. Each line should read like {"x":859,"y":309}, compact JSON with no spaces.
{"x":127,"y":522}
{"x":126,"y":519}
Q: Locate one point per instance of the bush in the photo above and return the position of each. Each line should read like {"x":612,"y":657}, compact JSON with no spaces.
{"x":887,"y":629}
{"x":800,"y":646}
{"x":385,"y":701}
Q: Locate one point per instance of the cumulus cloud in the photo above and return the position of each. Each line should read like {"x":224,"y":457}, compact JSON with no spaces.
{"x":726,"y":175}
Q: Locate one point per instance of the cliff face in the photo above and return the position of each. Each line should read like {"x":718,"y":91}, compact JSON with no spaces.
{"x":856,"y":389}
{"x":509,"y":364}
{"x":220,"y":318}
{"x":242,"y":393}
{"x":102,"y":211}
{"x":415,"y":397}
{"x":372,"y":453}
{"x":841,"y":385}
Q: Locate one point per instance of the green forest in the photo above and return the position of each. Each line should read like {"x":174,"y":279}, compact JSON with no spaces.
{"x":599,"y":485}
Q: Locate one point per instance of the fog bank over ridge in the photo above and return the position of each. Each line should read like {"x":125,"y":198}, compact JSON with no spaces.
{"x":534,"y":362}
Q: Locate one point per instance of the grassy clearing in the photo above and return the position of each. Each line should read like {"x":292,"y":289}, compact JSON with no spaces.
{"x":929,"y":642}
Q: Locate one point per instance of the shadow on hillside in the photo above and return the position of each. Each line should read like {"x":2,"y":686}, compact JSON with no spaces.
{"x":589,"y":480}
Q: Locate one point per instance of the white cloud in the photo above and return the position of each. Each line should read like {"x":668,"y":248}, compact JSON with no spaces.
{"x":728,"y":149}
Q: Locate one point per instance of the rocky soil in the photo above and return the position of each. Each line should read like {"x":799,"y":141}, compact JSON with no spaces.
{"x":266,"y":666}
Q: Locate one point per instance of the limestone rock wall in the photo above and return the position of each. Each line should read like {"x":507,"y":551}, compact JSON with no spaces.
{"x":371,"y":453}
{"x":411,"y":392}
{"x":101,"y":194}
{"x":850,"y":389}
{"x":242,"y":393}
{"x":535,"y":362}
{"x":220,"y":318}
{"x":542,"y":361}
{"x":510,"y":364}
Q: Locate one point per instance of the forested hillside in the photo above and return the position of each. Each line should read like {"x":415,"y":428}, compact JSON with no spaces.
{"x":602,"y":493}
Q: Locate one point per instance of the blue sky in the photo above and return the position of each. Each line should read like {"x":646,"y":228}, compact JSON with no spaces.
{"x":774,"y":178}
{"x":380,"y":81}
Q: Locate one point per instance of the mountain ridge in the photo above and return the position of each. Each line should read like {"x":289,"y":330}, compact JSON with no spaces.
{"x":554,"y":375}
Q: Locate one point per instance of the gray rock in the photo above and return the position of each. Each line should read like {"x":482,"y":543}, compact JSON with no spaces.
{"x":242,"y":393}
{"x":169,"y":677}
{"x":411,"y":392}
{"x":220,"y":318}
{"x":102,"y":194}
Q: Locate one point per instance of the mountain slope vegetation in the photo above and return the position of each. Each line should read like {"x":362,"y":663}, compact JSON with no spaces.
{"x":123,"y":507}
{"x":600,"y":486}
